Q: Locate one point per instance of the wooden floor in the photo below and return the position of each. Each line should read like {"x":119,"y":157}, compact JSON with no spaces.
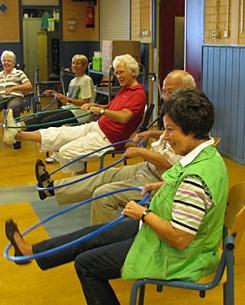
{"x":17,"y":168}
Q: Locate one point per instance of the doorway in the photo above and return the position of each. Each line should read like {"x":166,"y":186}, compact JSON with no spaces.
{"x":41,"y":42}
{"x":171,"y":36}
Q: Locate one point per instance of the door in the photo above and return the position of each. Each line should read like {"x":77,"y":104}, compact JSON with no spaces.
{"x":38,"y":49}
{"x":31,"y":27}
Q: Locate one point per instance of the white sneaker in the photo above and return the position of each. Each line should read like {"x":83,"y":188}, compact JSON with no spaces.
{"x":10,"y":133}
{"x":54,"y":158}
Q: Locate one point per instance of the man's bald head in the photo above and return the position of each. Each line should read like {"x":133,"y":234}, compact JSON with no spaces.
{"x":177,"y":79}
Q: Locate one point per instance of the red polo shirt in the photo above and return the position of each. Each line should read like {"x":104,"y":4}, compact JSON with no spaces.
{"x":133,"y":99}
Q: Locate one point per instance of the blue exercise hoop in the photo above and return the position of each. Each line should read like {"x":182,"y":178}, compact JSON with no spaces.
{"x":76,"y":241}
{"x":89,"y":175}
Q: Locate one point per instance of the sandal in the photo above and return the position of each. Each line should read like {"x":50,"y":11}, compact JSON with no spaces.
{"x":44,"y":180}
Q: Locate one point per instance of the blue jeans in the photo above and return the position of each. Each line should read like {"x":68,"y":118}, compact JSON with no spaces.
{"x":97,"y":260}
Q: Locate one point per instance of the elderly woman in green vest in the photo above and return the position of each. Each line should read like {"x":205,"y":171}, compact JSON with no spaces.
{"x":181,"y":230}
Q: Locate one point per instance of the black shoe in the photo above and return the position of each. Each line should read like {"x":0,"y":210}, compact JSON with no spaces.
{"x":10,"y":229}
{"x":17,"y":145}
{"x":43,"y":180}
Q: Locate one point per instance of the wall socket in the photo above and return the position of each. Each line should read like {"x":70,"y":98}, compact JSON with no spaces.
{"x":215,"y":34}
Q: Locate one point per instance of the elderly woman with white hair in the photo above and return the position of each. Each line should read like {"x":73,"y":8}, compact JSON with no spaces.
{"x":119,"y":119}
{"x":13,"y":84}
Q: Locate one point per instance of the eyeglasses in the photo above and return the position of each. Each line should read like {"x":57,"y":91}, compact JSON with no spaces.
{"x":120,"y":72}
{"x":167,"y":91}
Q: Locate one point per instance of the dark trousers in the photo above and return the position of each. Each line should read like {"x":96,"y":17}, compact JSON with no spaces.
{"x":97,"y":260}
{"x":14,"y":103}
{"x":49,"y":118}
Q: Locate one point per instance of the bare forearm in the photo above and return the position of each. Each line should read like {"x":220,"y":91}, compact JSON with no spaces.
{"x":155,"y":158}
{"x":155,"y":133}
{"x":164,"y":229}
{"x":118,"y":116}
{"x":26,"y":87}
{"x":78,"y":102}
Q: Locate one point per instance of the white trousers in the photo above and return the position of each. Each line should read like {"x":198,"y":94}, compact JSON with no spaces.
{"x":74,"y":141}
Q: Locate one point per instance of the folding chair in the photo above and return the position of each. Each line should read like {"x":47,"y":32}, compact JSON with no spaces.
{"x":233,"y":231}
{"x":142,"y":127}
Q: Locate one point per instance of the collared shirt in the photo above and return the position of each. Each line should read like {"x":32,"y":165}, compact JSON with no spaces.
{"x":192,"y":199}
{"x":14,"y":78}
{"x":187,"y":159}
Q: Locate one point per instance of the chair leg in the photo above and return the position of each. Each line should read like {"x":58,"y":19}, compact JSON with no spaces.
{"x":85,"y":167}
{"x":141,"y":295}
{"x":139,"y":285}
{"x":101,"y":159}
{"x":228,"y":292}
{"x":228,"y":287}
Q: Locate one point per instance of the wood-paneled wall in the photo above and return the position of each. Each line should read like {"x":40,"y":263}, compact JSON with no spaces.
{"x":223,"y":82}
{"x":9,"y":22}
{"x":141,"y":20}
{"x":225,"y":22}
{"x":76,"y":11}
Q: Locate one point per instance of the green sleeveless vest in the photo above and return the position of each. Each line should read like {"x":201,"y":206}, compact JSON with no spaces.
{"x":151,"y":257}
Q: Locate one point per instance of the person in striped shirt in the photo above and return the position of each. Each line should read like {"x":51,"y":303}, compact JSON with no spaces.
{"x":14,"y":84}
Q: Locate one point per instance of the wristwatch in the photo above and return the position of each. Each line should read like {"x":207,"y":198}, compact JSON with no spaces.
{"x":145,"y":212}
{"x":102,"y":111}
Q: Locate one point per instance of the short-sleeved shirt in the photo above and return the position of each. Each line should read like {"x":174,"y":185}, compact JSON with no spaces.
{"x":14,"y":78}
{"x":191,"y":202}
{"x":131,"y":98}
{"x":81,"y":87}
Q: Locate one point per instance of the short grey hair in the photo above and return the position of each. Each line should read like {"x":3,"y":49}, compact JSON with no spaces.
{"x":131,"y":64}
{"x":82,"y":58}
{"x":8,"y":53}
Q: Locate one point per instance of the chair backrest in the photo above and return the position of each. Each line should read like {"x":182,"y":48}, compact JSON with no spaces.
{"x":235,"y":213}
{"x":65,"y":77}
{"x":146,"y":119}
{"x":217,"y":140}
